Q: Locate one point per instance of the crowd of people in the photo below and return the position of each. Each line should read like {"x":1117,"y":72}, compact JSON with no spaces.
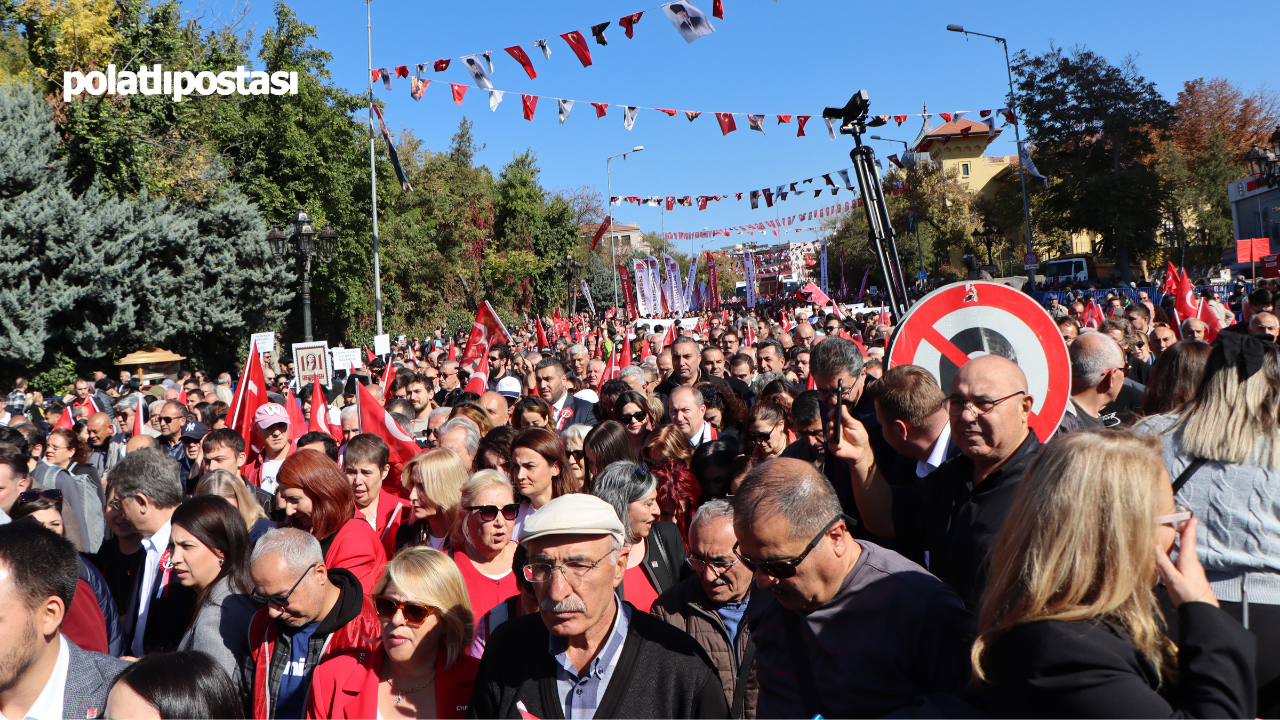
{"x":744,"y":515}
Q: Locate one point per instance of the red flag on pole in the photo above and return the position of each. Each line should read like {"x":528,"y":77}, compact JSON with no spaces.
{"x":1187,"y":307}
{"x":251,"y":394}
{"x":600,"y":232}
{"x":1211,"y":319}
{"x":669,"y":337}
{"x":319,"y":421}
{"x":810,"y":383}
{"x":1170,"y":279}
{"x":376,"y":420}
{"x":297,"y":423}
{"x":64,"y":420}
{"x":389,"y":374}
{"x":137,"y":418}
{"x":1092,"y":314}
{"x":542,"y":334}
{"x":478,"y":383}
{"x":486,"y":331}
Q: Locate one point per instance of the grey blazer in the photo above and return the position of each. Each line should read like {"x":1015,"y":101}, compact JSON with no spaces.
{"x":221,"y":630}
{"x":89,"y":677}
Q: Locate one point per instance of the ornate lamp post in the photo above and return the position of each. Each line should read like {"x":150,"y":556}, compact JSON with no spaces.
{"x":989,"y":235}
{"x":570,"y":269}
{"x":304,"y":245}
{"x":1265,"y":163}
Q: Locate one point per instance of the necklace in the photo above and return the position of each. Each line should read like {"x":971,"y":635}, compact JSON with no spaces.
{"x":401,"y":693}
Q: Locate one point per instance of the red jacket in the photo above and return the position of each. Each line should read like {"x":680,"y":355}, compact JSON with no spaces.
{"x":356,"y":547}
{"x":346,"y":688}
{"x":358,"y":637}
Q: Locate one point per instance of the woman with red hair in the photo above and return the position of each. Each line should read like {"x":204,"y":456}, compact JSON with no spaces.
{"x":678,"y":495}
{"x":318,"y":499}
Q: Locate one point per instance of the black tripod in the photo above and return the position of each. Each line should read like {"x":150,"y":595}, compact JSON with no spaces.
{"x":853,"y":121}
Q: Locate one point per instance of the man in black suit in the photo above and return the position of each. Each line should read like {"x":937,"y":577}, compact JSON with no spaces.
{"x":685,"y":369}
{"x":566,"y":409}
{"x":44,"y":675}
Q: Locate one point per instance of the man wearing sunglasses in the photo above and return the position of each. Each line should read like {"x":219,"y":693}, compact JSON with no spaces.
{"x":311,"y":613}
{"x":588,"y":653}
{"x":842,"y":627}
{"x":955,"y":512}
{"x":172,"y":416}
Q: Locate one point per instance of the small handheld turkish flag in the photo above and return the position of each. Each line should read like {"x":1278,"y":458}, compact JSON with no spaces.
{"x":485,"y":332}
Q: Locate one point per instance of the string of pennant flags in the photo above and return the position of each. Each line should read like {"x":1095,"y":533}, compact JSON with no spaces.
{"x":726,"y":121}
{"x":752,"y":229}
{"x":687,"y":19}
{"x":784,"y":224}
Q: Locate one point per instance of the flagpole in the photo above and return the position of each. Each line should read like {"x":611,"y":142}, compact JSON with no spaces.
{"x":373,"y":176}
{"x":613,"y":245}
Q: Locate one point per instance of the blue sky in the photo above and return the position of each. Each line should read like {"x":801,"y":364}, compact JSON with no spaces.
{"x":765,"y":57}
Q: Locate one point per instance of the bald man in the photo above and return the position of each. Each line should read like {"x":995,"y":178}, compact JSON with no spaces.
{"x":138,"y":442}
{"x":1194,"y":329}
{"x":496,"y":406}
{"x":100,"y":432}
{"x":989,"y":408}
{"x":1264,"y":323}
{"x":1097,"y":377}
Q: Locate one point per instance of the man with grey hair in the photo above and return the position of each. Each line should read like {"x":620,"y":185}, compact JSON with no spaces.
{"x":1194,"y":329}
{"x":435,"y":420}
{"x":350,"y":419}
{"x":147,"y":491}
{"x":711,"y":605}
{"x":1097,"y":377}
{"x":463,"y":437}
{"x":578,"y":359}
{"x":688,"y":411}
{"x":635,"y":378}
{"x":1265,"y":324}
{"x":588,"y":653}
{"x":595,"y":371}
{"x":312,"y":613}
{"x":842,"y":627}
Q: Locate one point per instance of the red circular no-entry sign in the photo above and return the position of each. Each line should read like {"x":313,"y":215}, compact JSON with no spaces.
{"x":949,"y":326}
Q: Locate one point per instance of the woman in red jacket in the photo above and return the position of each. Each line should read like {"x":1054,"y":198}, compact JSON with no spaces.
{"x":488,"y":515}
{"x":421,"y":669}
{"x":319,"y":500}
{"x":366,"y":460}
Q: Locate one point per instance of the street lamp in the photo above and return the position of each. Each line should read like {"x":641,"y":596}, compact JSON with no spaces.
{"x":915,"y":210}
{"x":989,"y":235}
{"x":608,"y":199}
{"x":304,"y":245}
{"x":1265,"y":163}
{"x":1017,"y":133}
{"x":569,"y":269}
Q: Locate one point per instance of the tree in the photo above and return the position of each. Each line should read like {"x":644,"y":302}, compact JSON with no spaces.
{"x":1217,"y":105}
{"x":90,"y":275}
{"x":1093,"y":126}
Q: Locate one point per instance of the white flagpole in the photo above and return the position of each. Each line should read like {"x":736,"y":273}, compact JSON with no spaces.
{"x":373,"y":177}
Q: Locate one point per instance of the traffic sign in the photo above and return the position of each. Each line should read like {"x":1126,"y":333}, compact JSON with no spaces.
{"x":922,"y":275}
{"x":1031,"y":260}
{"x":956,"y":323}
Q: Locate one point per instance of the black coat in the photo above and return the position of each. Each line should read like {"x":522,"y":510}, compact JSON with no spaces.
{"x":664,"y":554}
{"x":1092,"y":669}
{"x":661,"y":673}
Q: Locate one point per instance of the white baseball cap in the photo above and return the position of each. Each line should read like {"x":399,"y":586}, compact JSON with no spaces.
{"x":573,"y":514}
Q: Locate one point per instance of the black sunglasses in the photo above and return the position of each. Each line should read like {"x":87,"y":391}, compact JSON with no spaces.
{"x":787,"y":568}
{"x":33,"y":495}
{"x":282,"y":601}
{"x":489,"y":513}
{"x":633,"y":417}
{"x":414,"y":614}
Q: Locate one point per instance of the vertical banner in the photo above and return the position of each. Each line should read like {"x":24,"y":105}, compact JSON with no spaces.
{"x":655,"y":282}
{"x":626,"y":292}
{"x":863,"y":290}
{"x":673,"y":279}
{"x":825,"y":289}
{"x":713,"y":280}
{"x":644,"y":294}
{"x":844,"y":289}
{"x":749,"y":277}
{"x":688,"y":286}
{"x":586,"y":293}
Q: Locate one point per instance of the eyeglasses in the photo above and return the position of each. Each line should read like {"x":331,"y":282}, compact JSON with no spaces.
{"x":577,"y":455}
{"x":786,"y":568}
{"x":58,"y":447}
{"x":633,"y":417}
{"x":1180,"y":515}
{"x":719,"y":567}
{"x":979,"y":407}
{"x":489,"y":513}
{"x":33,"y":495}
{"x":756,"y":438}
{"x":169,"y":419}
{"x":282,"y":601}
{"x":414,"y":613}
{"x":573,"y":571}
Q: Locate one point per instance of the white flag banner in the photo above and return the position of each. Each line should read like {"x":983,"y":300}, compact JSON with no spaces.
{"x":749,"y":277}
{"x":673,"y":279}
{"x":643,"y":292}
{"x":1031,"y":166}
{"x":661,"y":305}
{"x":565,"y":107}
{"x":586,"y":293}
{"x":688,"y":285}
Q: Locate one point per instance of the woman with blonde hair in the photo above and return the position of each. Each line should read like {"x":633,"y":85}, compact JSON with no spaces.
{"x":489,"y":511}
{"x":1069,"y":625}
{"x":233,"y":490}
{"x":475,"y":414}
{"x":667,"y":443}
{"x":421,"y":668}
{"x":574,"y":436}
{"x":1223,"y":450}
{"x":434,"y":480}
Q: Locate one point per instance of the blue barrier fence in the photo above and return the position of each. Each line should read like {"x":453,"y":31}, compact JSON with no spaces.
{"x":1154,"y":294}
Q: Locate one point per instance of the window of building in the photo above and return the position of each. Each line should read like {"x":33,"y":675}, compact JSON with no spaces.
{"x":626,"y":238}
{"x":964,"y":169}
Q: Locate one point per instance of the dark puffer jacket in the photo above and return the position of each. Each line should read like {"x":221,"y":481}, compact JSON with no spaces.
{"x":687,"y":607}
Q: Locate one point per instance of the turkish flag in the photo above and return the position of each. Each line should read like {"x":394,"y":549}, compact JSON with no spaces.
{"x":1092,"y":314}
{"x":787,"y":325}
{"x":669,"y":337}
{"x":478,"y":383}
{"x":810,"y":383}
{"x":1212,"y":319}
{"x":320,"y":414}
{"x":1187,"y":305}
{"x":64,"y":420}
{"x":297,"y":423}
{"x":612,"y":369}
{"x":137,"y":419}
{"x":389,"y":374}
{"x":542,"y":334}
{"x":727,"y":125}
{"x":251,"y":394}
{"x":814,"y":294}
{"x":1170,"y":279}
{"x":518,"y":53}
{"x":486,"y":331}
{"x":376,"y":420}
{"x":578,"y":44}
{"x":599,"y":233}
